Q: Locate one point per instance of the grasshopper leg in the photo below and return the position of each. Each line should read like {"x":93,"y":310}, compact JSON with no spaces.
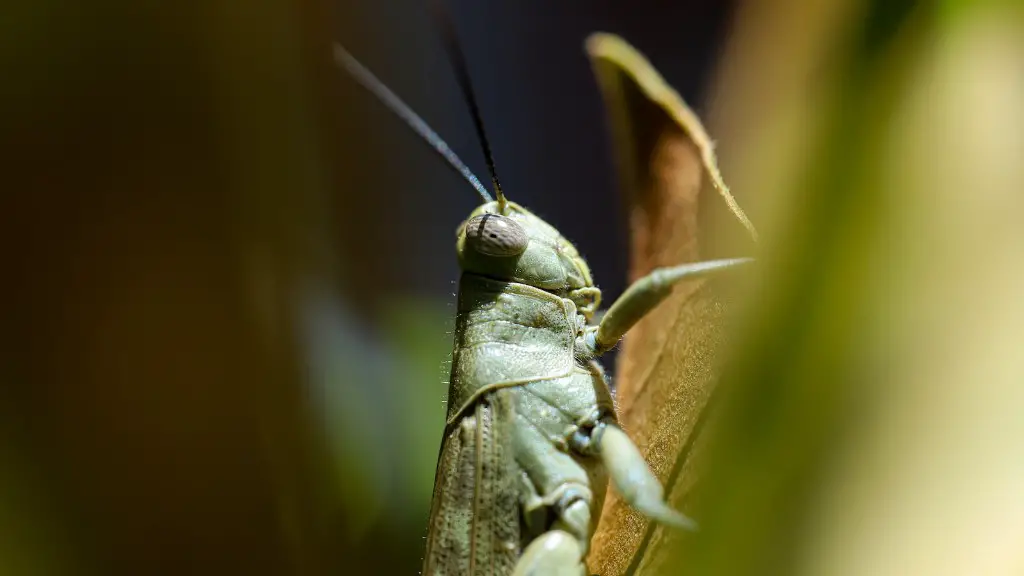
{"x":553,"y":553}
{"x":643,"y":295}
{"x":559,"y":482}
{"x":633,"y":479}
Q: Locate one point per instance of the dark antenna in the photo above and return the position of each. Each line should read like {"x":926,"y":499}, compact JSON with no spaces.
{"x":458,"y":59}
{"x":392,"y":101}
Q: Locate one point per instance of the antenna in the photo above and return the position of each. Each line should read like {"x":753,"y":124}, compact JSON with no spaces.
{"x":392,"y":101}
{"x":451,"y":42}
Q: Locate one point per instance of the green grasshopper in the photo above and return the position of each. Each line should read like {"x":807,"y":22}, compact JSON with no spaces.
{"x":531,"y":436}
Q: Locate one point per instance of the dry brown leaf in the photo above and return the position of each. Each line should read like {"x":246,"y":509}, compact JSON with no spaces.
{"x":666,"y":368}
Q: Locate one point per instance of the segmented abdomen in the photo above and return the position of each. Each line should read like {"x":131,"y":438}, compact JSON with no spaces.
{"x":474,"y":519}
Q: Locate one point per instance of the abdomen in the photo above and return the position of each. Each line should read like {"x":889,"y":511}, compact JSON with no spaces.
{"x":474,"y":521}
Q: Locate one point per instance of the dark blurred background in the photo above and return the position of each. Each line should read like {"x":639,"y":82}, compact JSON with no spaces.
{"x":542,"y":110}
{"x":230,"y":272}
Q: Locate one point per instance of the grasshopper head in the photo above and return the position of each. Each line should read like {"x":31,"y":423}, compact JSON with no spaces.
{"x":519,"y":247}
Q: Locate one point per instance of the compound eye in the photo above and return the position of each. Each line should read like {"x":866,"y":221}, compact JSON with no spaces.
{"x":496,"y":235}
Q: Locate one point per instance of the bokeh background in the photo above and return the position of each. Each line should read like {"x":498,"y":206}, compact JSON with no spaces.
{"x":229,"y":272}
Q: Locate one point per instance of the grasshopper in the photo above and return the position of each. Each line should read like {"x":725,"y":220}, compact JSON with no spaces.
{"x":531,"y":437}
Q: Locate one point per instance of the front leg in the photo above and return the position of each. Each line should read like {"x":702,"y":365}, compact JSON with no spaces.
{"x":643,"y":295}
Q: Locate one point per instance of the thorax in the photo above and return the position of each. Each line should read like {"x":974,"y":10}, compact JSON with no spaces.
{"x":509,"y":334}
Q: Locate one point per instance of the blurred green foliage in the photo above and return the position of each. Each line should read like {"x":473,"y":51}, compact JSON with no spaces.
{"x":163,"y":410}
{"x":870,"y":387}
{"x":840,"y":446}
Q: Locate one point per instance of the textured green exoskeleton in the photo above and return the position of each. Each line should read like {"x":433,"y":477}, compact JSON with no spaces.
{"x":531,"y":437}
